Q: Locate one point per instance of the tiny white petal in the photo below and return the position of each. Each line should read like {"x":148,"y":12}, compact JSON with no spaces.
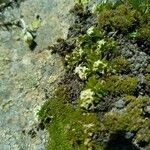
{"x":90,"y":30}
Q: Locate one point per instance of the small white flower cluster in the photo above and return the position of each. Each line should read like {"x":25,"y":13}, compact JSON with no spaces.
{"x":67,"y":57}
{"x":90,"y":30}
{"x":100,"y":43}
{"x":94,"y":8}
{"x":80,"y":51}
{"x":81,"y":71}
{"x":36,"y":110}
{"x":88,"y":125}
{"x":87,"y":98}
{"x":97,"y":64}
{"x":76,"y":53}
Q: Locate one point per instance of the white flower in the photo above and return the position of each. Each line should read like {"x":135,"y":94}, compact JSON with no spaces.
{"x":87,"y":94}
{"x":80,"y":51}
{"x":93,"y":10}
{"x":97,"y":64}
{"x":87,"y":98}
{"x":88,"y":125}
{"x":104,"y":1}
{"x":90,"y":30}
{"x":100,"y":43}
{"x":81,"y":71}
{"x":36,"y":110}
{"x":67,"y":57}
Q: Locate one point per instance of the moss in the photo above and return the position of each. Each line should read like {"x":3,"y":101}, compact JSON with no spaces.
{"x":122,"y":65}
{"x":97,"y":89}
{"x":107,"y":77}
{"x":123,"y":18}
{"x":70,"y":128}
{"x":129,"y":98}
{"x":147,"y":78}
{"x":125,"y":121}
{"x":130,"y":17}
{"x":148,"y":69}
{"x":117,"y":85}
{"x":144,"y":32}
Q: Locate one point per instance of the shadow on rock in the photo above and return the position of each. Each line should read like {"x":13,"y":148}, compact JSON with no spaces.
{"x":118,"y":141}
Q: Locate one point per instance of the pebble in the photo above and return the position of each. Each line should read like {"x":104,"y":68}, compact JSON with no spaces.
{"x":120,"y":104}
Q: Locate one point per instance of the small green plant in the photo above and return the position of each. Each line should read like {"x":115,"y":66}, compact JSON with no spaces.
{"x":147,"y":78}
{"x":117,"y":85}
{"x":70,"y":128}
{"x":125,"y":121}
{"x":122,"y":18}
{"x":130,"y":17}
{"x":96,"y":89}
{"x":140,"y":5}
{"x":92,"y":54}
{"x":97,"y":63}
{"x":122,"y":65}
{"x":144,"y":32}
{"x":93,"y":93}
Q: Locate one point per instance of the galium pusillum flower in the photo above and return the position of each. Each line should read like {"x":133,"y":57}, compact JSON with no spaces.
{"x":77,"y":52}
{"x":94,"y":8}
{"x":98,"y":64}
{"x":90,"y":30}
{"x":100,"y":43}
{"x":86,"y":98}
{"x":80,"y":51}
{"x":67,"y":57}
{"x":81,"y":71}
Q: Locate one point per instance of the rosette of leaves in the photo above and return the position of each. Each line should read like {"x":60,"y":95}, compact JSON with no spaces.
{"x":92,"y":48}
{"x":84,"y":46}
{"x":96,"y":90}
{"x":98,"y":86}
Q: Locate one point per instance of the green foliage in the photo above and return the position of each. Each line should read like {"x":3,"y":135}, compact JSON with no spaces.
{"x":93,"y":93}
{"x":147,"y":78}
{"x":105,"y":5}
{"x":97,"y":88}
{"x":35,"y":24}
{"x":148,"y":69}
{"x":70,"y":128}
{"x":129,"y":17}
{"x":117,"y":85}
{"x":123,"y":18}
{"x":97,"y":62}
{"x":122,"y":65}
{"x":97,"y":85}
{"x":93,"y":52}
{"x":144,"y":32}
{"x":140,"y":5}
{"x":130,"y":120}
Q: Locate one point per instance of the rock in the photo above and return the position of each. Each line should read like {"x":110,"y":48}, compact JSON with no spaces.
{"x":25,"y":74}
{"x":119,"y":104}
{"x":129,"y":135}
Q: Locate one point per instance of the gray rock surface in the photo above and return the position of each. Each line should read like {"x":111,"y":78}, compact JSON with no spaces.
{"x":28,"y":78}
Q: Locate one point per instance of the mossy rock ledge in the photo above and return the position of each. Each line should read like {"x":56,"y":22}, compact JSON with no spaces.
{"x":102,"y":102}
